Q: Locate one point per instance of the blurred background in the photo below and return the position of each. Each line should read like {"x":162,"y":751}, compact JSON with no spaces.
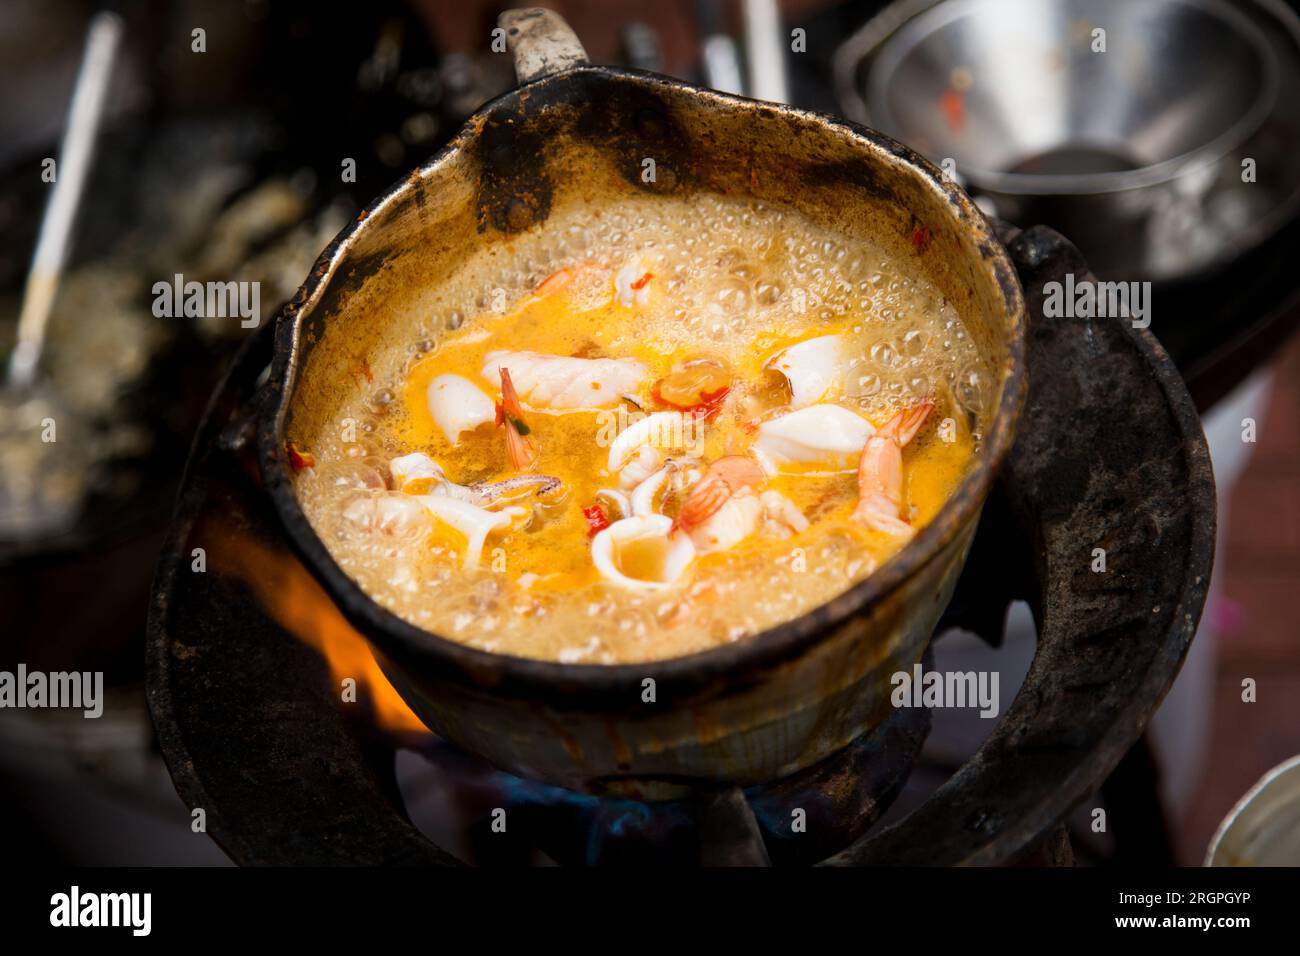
{"x":1170,"y":157}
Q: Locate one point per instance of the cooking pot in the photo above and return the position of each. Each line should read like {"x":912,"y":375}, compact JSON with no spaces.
{"x":1135,"y":150}
{"x":1263,"y":828}
{"x":754,"y":710}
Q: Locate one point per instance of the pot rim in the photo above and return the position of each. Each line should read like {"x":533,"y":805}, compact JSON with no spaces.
{"x":573,"y":684}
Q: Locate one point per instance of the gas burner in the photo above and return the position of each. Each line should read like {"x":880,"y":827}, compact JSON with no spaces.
{"x":1110,"y":455}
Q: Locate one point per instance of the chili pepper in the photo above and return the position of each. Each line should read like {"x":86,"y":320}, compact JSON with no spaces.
{"x":299,"y":460}
{"x":597,"y":521}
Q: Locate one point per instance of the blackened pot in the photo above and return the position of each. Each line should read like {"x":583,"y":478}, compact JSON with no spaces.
{"x":742,"y":713}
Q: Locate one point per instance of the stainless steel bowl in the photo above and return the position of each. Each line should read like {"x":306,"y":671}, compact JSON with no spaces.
{"x":1134,"y":151}
{"x":1263,"y":829}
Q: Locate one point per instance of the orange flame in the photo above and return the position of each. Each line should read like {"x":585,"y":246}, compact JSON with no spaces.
{"x":300,"y":606}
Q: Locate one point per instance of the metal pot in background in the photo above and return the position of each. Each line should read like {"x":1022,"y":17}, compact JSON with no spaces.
{"x":1134,"y":150}
{"x":1263,"y":829}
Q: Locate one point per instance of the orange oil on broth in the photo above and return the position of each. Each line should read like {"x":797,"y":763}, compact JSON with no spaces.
{"x":732,"y":281}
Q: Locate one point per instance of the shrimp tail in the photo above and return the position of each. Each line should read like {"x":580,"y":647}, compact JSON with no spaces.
{"x":911,"y":420}
{"x":880,"y":472}
{"x":702,"y":503}
{"x":521,"y":450}
{"x":553,"y":283}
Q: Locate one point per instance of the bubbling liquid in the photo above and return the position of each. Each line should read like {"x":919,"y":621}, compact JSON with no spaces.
{"x":732,"y":282}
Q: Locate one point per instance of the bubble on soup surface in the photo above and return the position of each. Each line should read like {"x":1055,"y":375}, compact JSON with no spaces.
{"x":349,"y":474}
{"x":684,"y":256}
{"x":768,"y":292}
{"x":884,"y":354}
{"x":868,"y":386}
{"x":389,"y":512}
{"x":970,"y":389}
{"x":914,"y":342}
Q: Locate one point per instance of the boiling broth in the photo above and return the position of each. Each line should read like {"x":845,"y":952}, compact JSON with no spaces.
{"x":727,"y":286}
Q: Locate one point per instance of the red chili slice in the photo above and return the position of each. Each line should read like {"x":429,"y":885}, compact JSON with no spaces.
{"x":299,"y":460}
{"x":597,"y":521}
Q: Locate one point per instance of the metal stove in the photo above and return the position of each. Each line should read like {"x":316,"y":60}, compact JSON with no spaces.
{"x":1110,"y":455}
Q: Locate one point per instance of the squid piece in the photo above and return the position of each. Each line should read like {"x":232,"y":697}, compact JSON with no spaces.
{"x":640,"y":553}
{"x":644,"y":462}
{"x":458,"y":405}
{"x":416,"y":473}
{"x":812,"y":368}
{"x":643,"y":495}
{"x":473,"y":522}
{"x":562,"y":383}
{"x":617,"y":500}
{"x":487,"y":493}
{"x":827,"y":437}
{"x":640,"y":449}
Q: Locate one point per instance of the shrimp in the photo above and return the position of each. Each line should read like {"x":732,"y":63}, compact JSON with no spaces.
{"x":630,"y":283}
{"x":521,"y":450}
{"x":880,"y":472}
{"x":721,"y":509}
{"x":553,"y":283}
{"x":727,"y":477}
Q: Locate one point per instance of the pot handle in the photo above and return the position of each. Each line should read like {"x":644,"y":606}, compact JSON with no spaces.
{"x":541,"y":43}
